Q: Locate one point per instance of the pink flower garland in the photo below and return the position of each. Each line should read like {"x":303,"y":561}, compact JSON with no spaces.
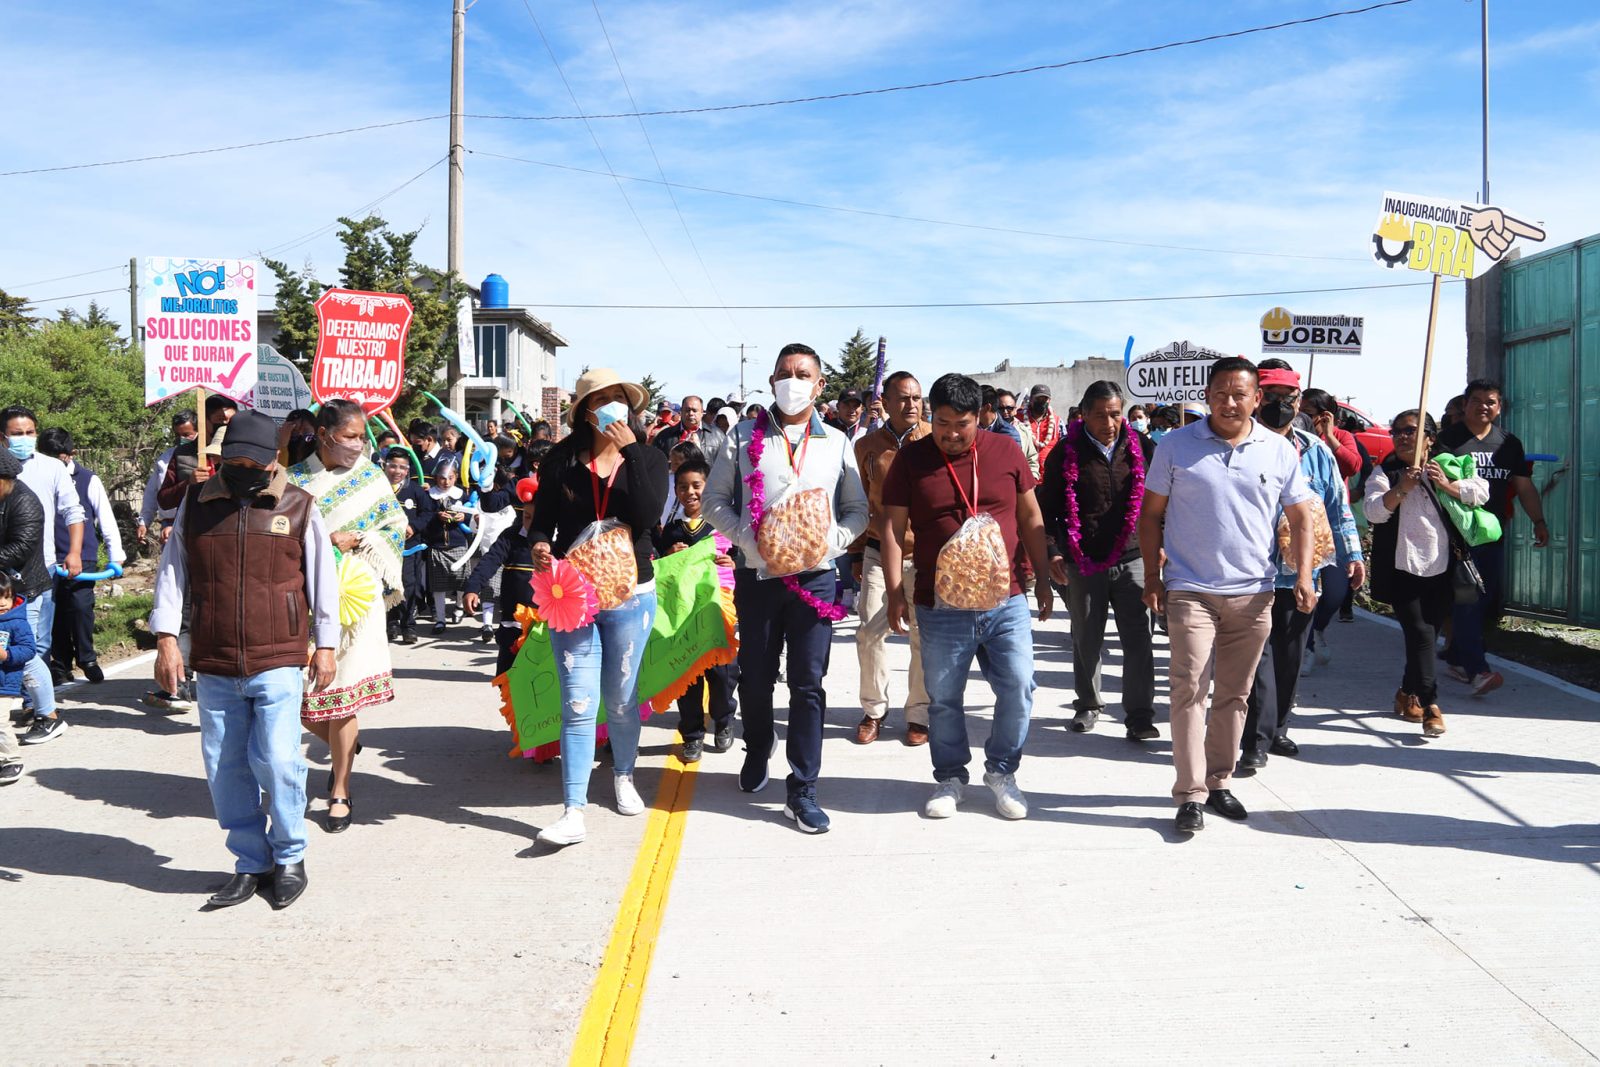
{"x":757,"y":483}
{"x":1130,"y":520}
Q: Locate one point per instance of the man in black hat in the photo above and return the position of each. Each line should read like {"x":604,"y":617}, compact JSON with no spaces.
{"x":847,"y":415}
{"x":244,"y":541}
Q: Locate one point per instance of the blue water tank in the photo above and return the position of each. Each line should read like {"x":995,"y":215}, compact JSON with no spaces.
{"x":495,"y":293}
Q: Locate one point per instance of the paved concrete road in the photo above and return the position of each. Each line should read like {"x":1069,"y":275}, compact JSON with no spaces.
{"x":1390,"y":899}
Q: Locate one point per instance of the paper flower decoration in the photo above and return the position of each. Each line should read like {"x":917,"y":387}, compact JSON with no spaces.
{"x":358,"y":589}
{"x":564,"y":598}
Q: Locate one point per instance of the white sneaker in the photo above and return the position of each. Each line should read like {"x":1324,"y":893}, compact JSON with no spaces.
{"x":1321,"y":652}
{"x":943,"y":803}
{"x":1308,"y":664}
{"x":628,"y":800}
{"x":1008,"y":799}
{"x":567,"y":830}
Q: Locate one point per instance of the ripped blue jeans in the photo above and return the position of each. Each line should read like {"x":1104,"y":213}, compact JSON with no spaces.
{"x":600,"y":663}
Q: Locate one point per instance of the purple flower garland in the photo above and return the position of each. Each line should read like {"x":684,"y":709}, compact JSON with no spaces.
{"x":757,"y":484}
{"x":1130,"y":520}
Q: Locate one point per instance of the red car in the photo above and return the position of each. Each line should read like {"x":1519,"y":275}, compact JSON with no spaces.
{"x":1373,"y":437}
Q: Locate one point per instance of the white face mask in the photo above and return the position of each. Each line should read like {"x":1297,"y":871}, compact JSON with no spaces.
{"x":606,"y":414}
{"x":1142,"y":425}
{"x":793,"y":395}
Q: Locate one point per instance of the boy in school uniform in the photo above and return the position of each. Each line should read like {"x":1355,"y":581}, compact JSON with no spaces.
{"x":714,"y":691}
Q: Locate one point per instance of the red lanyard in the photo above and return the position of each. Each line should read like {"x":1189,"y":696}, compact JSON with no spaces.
{"x":796,"y":459}
{"x":602,"y":503}
{"x":971,"y":509}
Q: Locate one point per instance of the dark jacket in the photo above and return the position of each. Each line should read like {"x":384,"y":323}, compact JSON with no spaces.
{"x":418,"y":508}
{"x":514,"y":551}
{"x":709,"y":439}
{"x":22,"y":540}
{"x":16,"y":637}
{"x":436,"y":532}
{"x":1103,"y":492}
{"x":247,"y":584}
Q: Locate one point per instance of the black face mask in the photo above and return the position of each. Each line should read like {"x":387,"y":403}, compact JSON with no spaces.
{"x":1038,"y":407}
{"x":1276,"y":413}
{"x":244,"y":481}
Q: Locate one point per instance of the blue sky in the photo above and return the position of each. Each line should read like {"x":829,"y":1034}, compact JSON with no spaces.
{"x":1274,"y":143}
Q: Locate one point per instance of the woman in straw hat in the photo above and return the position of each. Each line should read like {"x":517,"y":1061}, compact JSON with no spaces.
{"x":602,"y":470}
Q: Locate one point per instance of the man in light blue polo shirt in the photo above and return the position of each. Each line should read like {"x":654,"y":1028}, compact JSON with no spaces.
{"x":1207,"y":532}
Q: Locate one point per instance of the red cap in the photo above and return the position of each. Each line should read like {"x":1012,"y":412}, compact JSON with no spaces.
{"x":1280,"y":377}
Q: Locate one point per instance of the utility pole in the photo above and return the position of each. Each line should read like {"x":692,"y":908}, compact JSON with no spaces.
{"x":1484,"y":10}
{"x":741,"y":348}
{"x":456,"y":391}
{"x":133,"y":303}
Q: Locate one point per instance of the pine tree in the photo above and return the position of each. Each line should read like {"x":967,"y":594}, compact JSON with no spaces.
{"x":655,"y":392}
{"x":857,"y":367}
{"x":15,"y":312}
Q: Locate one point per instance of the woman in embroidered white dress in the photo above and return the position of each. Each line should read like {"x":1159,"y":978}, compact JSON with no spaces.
{"x":367,"y":527}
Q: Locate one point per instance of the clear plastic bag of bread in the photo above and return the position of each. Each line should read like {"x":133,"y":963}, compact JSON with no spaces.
{"x":603,"y":553}
{"x":974,"y":569}
{"x":794,"y":531}
{"x":1323,"y":553}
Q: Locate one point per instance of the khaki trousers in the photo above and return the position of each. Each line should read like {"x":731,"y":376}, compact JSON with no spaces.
{"x":1216,"y":642}
{"x":872,"y":643}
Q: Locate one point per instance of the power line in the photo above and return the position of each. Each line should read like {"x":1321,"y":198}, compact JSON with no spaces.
{"x":64,"y":277}
{"x":358,"y":212}
{"x":612,"y":170}
{"x":74,"y":296}
{"x":222,"y":148}
{"x":1147,"y":50}
{"x":662,"y":171}
{"x":923,"y":219}
{"x":978,"y":303}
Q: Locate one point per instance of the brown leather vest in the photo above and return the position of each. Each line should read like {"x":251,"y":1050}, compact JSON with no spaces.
{"x":247,"y":583}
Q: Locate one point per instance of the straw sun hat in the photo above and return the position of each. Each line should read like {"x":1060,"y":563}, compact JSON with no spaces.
{"x":598,"y":378}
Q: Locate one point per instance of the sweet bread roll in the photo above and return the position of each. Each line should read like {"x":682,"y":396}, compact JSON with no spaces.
{"x":1323,"y":551}
{"x":607,"y":560}
{"x":973,"y":572}
{"x":794,"y":533}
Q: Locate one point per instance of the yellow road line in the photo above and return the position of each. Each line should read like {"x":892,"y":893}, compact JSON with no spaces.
{"x":605,"y":1036}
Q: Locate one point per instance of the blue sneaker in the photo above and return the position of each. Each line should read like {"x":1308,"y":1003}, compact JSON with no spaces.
{"x":808,"y":817}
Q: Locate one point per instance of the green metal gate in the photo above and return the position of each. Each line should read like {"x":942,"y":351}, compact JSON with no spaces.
{"x":1551,"y":323}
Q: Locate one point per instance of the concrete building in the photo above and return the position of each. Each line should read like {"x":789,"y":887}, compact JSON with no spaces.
{"x":1066,"y":383}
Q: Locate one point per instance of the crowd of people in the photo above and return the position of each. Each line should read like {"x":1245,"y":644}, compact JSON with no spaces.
{"x":294,"y":555}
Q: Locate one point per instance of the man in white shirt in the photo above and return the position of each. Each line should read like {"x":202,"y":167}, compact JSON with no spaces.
{"x":50,"y":483}
{"x":74,"y":626}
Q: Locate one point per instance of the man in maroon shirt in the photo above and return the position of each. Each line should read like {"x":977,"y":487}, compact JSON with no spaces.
{"x":933,"y":487}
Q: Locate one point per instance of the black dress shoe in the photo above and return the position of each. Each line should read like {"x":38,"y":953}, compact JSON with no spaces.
{"x":337,"y":824}
{"x":1190,"y":818}
{"x":1225,"y":804}
{"x":1142,"y":731}
{"x":1253,"y":757}
{"x":240,"y":888}
{"x":288,"y":882}
{"x":1282,"y":746}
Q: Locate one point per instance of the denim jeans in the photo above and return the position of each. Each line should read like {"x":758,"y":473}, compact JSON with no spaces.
{"x":1471,"y":620}
{"x":1001,"y":639}
{"x":250,"y":740}
{"x":770,"y":618}
{"x":600,"y":663}
{"x":36,"y":680}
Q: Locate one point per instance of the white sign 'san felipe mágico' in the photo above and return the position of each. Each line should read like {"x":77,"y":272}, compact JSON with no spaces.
{"x":280,"y":387}
{"x":199,"y":320}
{"x":1337,"y":335}
{"x":1171,"y":375}
{"x":1445,"y":237}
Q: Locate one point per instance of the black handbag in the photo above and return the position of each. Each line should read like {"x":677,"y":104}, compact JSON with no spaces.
{"x":1466,"y":582}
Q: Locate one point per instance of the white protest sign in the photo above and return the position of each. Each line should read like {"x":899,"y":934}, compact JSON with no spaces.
{"x":199,"y":319}
{"x":1316,"y":335}
{"x":1171,"y":375}
{"x":280,"y":387}
{"x":1445,"y":237}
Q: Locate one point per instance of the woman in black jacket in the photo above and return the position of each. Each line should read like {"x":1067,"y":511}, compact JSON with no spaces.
{"x":602,"y":470}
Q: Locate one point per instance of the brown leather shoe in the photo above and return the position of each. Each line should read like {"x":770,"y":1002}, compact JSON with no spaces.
{"x":1407,"y":706}
{"x":1432,"y":721}
{"x":867,"y":730}
{"x":916,"y":735}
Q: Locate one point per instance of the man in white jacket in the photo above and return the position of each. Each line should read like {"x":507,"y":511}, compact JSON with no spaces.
{"x":794,"y":447}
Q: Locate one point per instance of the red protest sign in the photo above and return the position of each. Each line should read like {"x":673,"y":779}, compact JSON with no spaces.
{"x":361,"y":348}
